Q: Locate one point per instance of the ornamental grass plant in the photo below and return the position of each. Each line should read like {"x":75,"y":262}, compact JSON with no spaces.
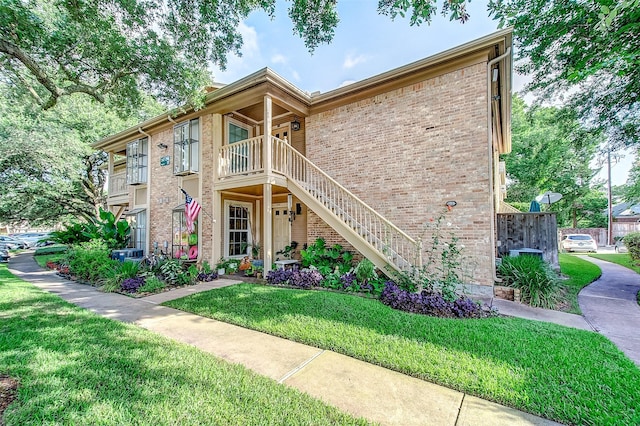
{"x":537,"y":282}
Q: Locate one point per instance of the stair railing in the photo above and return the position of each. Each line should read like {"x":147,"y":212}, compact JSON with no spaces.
{"x":400,"y":250}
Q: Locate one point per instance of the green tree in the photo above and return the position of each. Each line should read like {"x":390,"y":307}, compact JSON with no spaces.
{"x":583,"y":53}
{"x":114,"y":50}
{"x":47,"y":168}
{"x":551,"y":152}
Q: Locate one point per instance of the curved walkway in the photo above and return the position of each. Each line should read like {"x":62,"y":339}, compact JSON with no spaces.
{"x":364,"y":390}
{"x":609,"y":304}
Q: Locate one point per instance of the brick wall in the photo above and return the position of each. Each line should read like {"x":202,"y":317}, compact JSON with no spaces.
{"x":409,"y":151}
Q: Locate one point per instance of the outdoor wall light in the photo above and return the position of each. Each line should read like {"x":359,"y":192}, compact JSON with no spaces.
{"x":450,"y":204}
{"x":295,"y":124}
{"x":292,"y":214}
{"x":162,"y":146}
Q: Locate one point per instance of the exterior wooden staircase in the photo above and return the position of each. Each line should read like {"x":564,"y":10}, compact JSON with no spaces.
{"x":383,"y":243}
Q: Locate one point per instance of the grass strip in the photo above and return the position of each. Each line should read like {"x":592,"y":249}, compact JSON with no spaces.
{"x":77,"y":368}
{"x":568,"y":375}
{"x":581,"y":273}
{"x":622,"y":259}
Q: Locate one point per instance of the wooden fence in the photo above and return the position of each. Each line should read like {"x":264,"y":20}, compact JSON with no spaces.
{"x":529,"y":230}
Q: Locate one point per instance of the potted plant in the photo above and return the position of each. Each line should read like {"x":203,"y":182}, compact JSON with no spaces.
{"x":221,"y":266}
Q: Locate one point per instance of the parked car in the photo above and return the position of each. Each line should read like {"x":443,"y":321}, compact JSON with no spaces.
{"x":4,"y":253}
{"x":579,"y":242}
{"x":621,"y":247}
{"x":32,"y":238}
{"x":13,"y":243}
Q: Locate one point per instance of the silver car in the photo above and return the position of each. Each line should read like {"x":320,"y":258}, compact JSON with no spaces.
{"x":620,"y":246}
{"x":13,"y":243}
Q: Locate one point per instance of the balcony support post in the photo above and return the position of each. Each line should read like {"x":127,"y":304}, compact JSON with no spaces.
{"x":267,"y":152}
{"x":267,"y":228}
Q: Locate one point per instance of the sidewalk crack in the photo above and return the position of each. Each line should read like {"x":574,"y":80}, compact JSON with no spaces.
{"x":300,"y":367}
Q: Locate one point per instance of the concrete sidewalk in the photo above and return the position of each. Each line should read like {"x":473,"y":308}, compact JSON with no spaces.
{"x":609,"y":304}
{"x":359,"y":388}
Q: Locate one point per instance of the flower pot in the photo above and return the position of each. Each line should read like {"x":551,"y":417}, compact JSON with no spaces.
{"x":221,"y":271}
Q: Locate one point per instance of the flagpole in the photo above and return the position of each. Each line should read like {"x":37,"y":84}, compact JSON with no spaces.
{"x":201,"y":210}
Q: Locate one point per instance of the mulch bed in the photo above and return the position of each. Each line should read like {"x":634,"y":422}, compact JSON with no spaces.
{"x":8,"y":390}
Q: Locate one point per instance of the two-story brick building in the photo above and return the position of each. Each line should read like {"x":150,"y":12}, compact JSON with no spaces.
{"x":365,"y":165}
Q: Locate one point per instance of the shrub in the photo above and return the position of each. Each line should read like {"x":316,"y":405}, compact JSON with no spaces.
{"x":131,"y":285}
{"x":431,"y":303}
{"x":536,"y":280}
{"x":632,"y":241}
{"x":306,"y":278}
{"x":279,"y":276}
{"x":171,"y":271}
{"x":151,"y":284}
{"x":327,"y":259}
{"x":117,"y":273}
{"x":58,"y":248}
{"x":90,"y":261}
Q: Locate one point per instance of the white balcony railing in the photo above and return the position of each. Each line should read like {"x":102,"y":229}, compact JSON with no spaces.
{"x":240,"y":158}
{"x":118,"y":184}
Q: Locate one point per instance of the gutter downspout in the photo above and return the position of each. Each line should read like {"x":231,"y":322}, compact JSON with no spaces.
{"x":491,"y":175}
{"x":147,"y":248}
{"x":144,"y":133}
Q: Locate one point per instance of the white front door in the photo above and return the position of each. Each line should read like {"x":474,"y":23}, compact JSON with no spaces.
{"x":281,"y":229}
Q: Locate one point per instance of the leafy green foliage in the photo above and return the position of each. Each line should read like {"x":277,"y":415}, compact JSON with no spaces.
{"x":584,"y":53}
{"x":115,"y":234}
{"x":551,"y":152}
{"x":56,"y":248}
{"x":90,"y":261}
{"x":326,"y":259}
{"x":632,"y":241}
{"x":444,"y":268}
{"x":117,"y":50}
{"x":535,"y":279}
{"x":152,"y":285}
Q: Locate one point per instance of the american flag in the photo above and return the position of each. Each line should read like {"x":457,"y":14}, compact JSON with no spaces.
{"x":191,"y":211}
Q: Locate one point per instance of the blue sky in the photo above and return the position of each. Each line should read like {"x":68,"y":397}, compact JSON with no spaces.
{"x":365,"y":44}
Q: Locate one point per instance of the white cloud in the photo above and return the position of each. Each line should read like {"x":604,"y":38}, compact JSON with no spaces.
{"x":351,"y":60}
{"x":346,"y":83}
{"x":279,"y":59}
{"x":295,"y":75}
{"x":249,"y":39}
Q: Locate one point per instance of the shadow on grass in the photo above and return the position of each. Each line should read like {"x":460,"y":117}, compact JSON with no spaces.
{"x":542,"y":368}
{"x":77,"y":368}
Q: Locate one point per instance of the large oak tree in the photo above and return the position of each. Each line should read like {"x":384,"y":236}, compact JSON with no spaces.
{"x":584,"y":55}
{"x":114,"y":50}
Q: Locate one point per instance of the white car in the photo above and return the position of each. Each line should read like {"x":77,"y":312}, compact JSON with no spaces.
{"x":579,"y":242}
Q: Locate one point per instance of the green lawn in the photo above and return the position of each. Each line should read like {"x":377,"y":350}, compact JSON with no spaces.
{"x":623,"y":259}
{"x":568,"y":375}
{"x":581,"y":273}
{"x":76,"y":368}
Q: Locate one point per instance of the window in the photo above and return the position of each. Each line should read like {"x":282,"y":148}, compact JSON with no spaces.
{"x":186,"y":137}
{"x":138,"y":224}
{"x":238,"y":232}
{"x":239,"y":154}
{"x":184,"y":244}
{"x":137,"y":161}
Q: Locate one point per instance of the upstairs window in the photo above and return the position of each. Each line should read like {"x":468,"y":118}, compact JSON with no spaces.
{"x":137,"y":161}
{"x":186,"y":137}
